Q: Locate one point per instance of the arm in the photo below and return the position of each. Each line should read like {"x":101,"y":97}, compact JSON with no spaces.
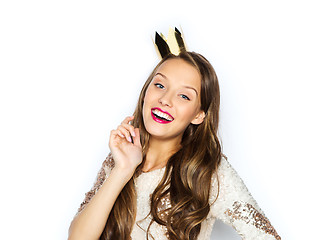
{"x":92,"y":216}
{"x":235,"y":206}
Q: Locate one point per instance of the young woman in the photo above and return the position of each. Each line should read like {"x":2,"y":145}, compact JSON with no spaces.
{"x":166,"y":177}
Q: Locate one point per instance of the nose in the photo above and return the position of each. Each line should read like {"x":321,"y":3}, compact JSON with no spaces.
{"x":165,"y":99}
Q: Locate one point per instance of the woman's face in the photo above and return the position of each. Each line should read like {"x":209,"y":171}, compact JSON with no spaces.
{"x":172,"y":100}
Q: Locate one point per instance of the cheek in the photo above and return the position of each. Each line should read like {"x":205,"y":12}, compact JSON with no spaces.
{"x":151,"y":97}
{"x":147,"y":100}
{"x":190,"y":112}
{"x":147,"y":96}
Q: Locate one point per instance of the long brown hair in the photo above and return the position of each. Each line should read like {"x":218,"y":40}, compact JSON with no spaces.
{"x":189,"y":171}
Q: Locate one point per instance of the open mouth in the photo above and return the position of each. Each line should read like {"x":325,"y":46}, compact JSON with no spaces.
{"x":161,"y":116}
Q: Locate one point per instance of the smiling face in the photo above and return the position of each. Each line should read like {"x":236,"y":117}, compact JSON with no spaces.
{"x":172,"y":100}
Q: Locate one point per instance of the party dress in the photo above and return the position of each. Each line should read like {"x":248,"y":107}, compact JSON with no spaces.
{"x":234,"y":205}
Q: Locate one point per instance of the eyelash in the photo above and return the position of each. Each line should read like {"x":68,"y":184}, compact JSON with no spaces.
{"x":185,"y":97}
{"x":158,"y":85}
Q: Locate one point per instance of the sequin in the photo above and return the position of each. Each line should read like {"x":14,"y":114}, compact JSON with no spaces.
{"x":165,"y":204}
{"x":246,"y":212}
{"x":103,"y":173}
{"x":230,"y":202}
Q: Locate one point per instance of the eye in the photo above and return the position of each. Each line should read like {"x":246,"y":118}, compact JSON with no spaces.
{"x":158,"y":85}
{"x":185,"y":97}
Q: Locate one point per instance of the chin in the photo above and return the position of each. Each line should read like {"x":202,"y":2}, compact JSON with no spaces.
{"x":154,"y":131}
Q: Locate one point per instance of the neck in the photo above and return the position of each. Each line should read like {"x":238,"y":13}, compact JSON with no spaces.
{"x":159,"y":152}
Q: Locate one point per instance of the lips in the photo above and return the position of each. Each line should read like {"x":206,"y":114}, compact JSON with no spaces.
{"x":161,"y":116}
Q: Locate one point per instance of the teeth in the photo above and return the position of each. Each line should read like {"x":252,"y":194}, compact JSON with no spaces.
{"x":161,"y":114}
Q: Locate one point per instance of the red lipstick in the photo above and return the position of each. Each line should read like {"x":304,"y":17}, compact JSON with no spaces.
{"x":161,"y":116}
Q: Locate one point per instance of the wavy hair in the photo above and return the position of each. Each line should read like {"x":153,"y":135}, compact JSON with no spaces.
{"x":189,"y":171}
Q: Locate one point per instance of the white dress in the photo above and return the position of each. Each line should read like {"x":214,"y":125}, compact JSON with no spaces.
{"x":234,"y":206}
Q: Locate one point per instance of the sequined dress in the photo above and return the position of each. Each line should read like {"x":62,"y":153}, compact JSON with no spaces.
{"x":234,"y":205}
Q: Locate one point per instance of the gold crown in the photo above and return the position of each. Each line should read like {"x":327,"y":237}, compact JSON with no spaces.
{"x":174,"y":44}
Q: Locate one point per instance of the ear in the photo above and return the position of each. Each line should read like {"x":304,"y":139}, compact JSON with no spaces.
{"x":199,"y":118}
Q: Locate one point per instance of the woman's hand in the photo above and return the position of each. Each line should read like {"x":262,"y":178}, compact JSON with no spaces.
{"x":126,"y":152}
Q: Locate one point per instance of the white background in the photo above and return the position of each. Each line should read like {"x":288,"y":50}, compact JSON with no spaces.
{"x":70,"y":72}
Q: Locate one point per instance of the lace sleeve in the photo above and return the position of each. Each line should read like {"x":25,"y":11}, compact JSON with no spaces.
{"x":102,"y":175}
{"x":235,"y":206}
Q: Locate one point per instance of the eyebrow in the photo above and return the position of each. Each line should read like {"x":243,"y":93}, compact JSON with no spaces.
{"x":165,"y":77}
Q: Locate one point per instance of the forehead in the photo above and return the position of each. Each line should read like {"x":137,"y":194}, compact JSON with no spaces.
{"x":180,"y":72}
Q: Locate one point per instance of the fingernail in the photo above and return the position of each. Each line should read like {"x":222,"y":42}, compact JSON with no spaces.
{"x":129,"y":139}
{"x":133,"y":134}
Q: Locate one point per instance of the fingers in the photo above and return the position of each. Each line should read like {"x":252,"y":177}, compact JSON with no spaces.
{"x":114,"y":134}
{"x":129,"y":128}
{"x":127,"y":119}
{"x":125,"y":130}
{"x":137,"y":139}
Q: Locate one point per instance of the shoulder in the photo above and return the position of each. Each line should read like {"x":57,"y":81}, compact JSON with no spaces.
{"x":224,"y":164}
{"x":230,"y":183}
{"x":228,"y":188}
{"x":225,"y":173}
